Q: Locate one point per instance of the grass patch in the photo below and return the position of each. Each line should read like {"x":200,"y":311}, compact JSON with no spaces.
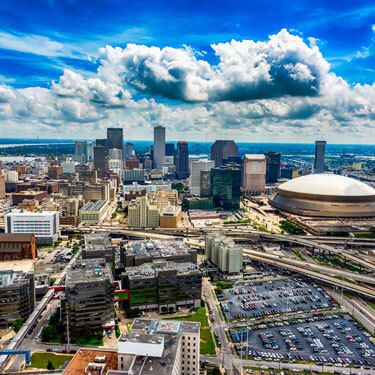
{"x":89,"y":340}
{"x":208,"y":346}
{"x":298,"y":255}
{"x":128,"y":326}
{"x":40,"y":360}
{"x":371,"y":304}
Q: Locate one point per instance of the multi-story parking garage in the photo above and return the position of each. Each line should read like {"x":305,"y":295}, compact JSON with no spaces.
{"x":325,"y":195}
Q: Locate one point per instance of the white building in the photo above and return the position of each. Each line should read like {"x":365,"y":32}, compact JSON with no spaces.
{"x":195,"y":176}
{"x":159,"y":147}
{"x":11,"y":176}
{"x":114,"y":154}
{"x":254,"y":174}
{"x":68,"y":167}
{"x":44,"y":225}
{"x":223,"y":252}
{"x":160,"y":347}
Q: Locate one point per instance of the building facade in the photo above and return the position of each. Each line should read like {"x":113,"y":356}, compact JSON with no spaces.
{"x":254,"y":174}
{"x":17,"y":246}
{"x":44,"y":225}
{"x":225,"y":187}
{"x":159,"y":147}
{"x":273,"y":160}
{"x":182,"y":160}
{"x":195,"y":176}
{"x":142,"y":214}
{"x":93,"y":213}
{"x":115,"y":138}
{"x":223,"y":149}
{"x":89,"y":295}
{"x":320,"y":154}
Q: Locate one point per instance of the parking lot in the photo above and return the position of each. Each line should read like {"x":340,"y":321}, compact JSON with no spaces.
{"x":273,"y":298}
{"x":332,"y":340}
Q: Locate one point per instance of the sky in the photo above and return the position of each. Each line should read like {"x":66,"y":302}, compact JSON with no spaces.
{"x":261,"y":71}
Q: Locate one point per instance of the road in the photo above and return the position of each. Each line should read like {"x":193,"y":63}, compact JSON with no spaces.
{"x":281,"y":262}
{"x":17,"y":341}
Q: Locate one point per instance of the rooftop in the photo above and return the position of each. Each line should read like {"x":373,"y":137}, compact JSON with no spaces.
{"x":87,"y":270}
{"x":94,"y":206}
{"x":25,"y":265}
{"x":25,"y":213}
{"x":255,"y":156}
{"x":141,"y":338}
{"x":156,"y":248}
{"x":165,"y":326}
{"x":16,"y":237}
{"x":151,"y":269}
{"x":83,"y":357}
{"x":328,"y":185}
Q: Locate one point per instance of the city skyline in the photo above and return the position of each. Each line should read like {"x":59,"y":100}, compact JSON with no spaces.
{"x":235,"y":71}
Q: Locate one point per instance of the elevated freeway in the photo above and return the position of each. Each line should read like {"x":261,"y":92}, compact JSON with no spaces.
{"x":305,"y":269}
{"x":35,"y":315}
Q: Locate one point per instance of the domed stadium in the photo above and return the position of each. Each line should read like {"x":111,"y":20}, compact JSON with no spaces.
{"x":325,"y":195}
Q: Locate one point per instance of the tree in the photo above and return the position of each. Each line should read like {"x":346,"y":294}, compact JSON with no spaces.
{"x":17,"y":324}
{"x":50,"y":365}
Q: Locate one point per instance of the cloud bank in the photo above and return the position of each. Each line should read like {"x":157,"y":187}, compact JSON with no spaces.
{"x":277,"y":86}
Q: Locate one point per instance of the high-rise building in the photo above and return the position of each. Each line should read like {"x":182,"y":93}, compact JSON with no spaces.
{"x":11,"y":176}
{"x":115,"y":138}
{"x":223,"y":252}
{"x":272,"y":167}
{"x":159,"y":147}
{"x":142,"y":214}
{"x":114,"y":154}
{"x":169,"y":149}
{"x":223,"y":149}
{"x":195,"y":176}
{"x":17,"y":291}
{"x":226,"y":186}
{"x":205,"y":184}
{"x":101,"y":142}
{"x":320,"y":153}
{"x":182,"y":160}
{"x":2,"y":187}
{"x":128,"y":150}
{"x":254,"y":174}
{"x":89,"y":295}
{"x":44,"y":225}
{"x":99,"y":160}
{"x":81,"y":151}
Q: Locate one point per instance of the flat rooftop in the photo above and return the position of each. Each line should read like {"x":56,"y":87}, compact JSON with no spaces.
{"x":156,"y":248}
{"x":165,"y":326}
{"x":88,"y":270}
{"x":83,"y":357}
{"x":151,"y":269}
{"x":24,"y":265}
{"x":141,"y":338}
{"x":97,"y":241}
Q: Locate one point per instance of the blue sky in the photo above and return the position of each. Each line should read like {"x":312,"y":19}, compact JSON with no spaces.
{"x":39,"y":39}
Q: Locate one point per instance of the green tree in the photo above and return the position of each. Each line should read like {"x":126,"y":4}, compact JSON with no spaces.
{"x":17,"y":324}
{"x":50,"y":365}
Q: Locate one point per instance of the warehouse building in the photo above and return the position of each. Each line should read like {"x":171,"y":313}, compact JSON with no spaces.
{"x":17,"y":246}
{"x":93,"y":213}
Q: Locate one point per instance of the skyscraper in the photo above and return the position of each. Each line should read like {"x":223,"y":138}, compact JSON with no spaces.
{"x":320,"y":153}
{"x":81,"y":151}
{"x":128,"y":150}
{"x":159,"y":146}
{"x":182,"y":160}
{"x":223,"y":149}
{"x":195,"y":175}
{"x":99,"y":160}
{"x":226,"y":186}
{"x":115,"y":138}
{"x":272,"y":166}
{"x":254,"y":174}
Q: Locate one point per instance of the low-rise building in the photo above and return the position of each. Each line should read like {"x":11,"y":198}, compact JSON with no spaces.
{"x":163,"y":285}
{"x":92,"y":213}
{"x":17,"y":246}
{"x":17,"y":198}
{"x":170,"y":217}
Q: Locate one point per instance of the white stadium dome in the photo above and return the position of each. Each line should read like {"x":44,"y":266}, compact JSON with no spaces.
{"x":325,"y":195}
